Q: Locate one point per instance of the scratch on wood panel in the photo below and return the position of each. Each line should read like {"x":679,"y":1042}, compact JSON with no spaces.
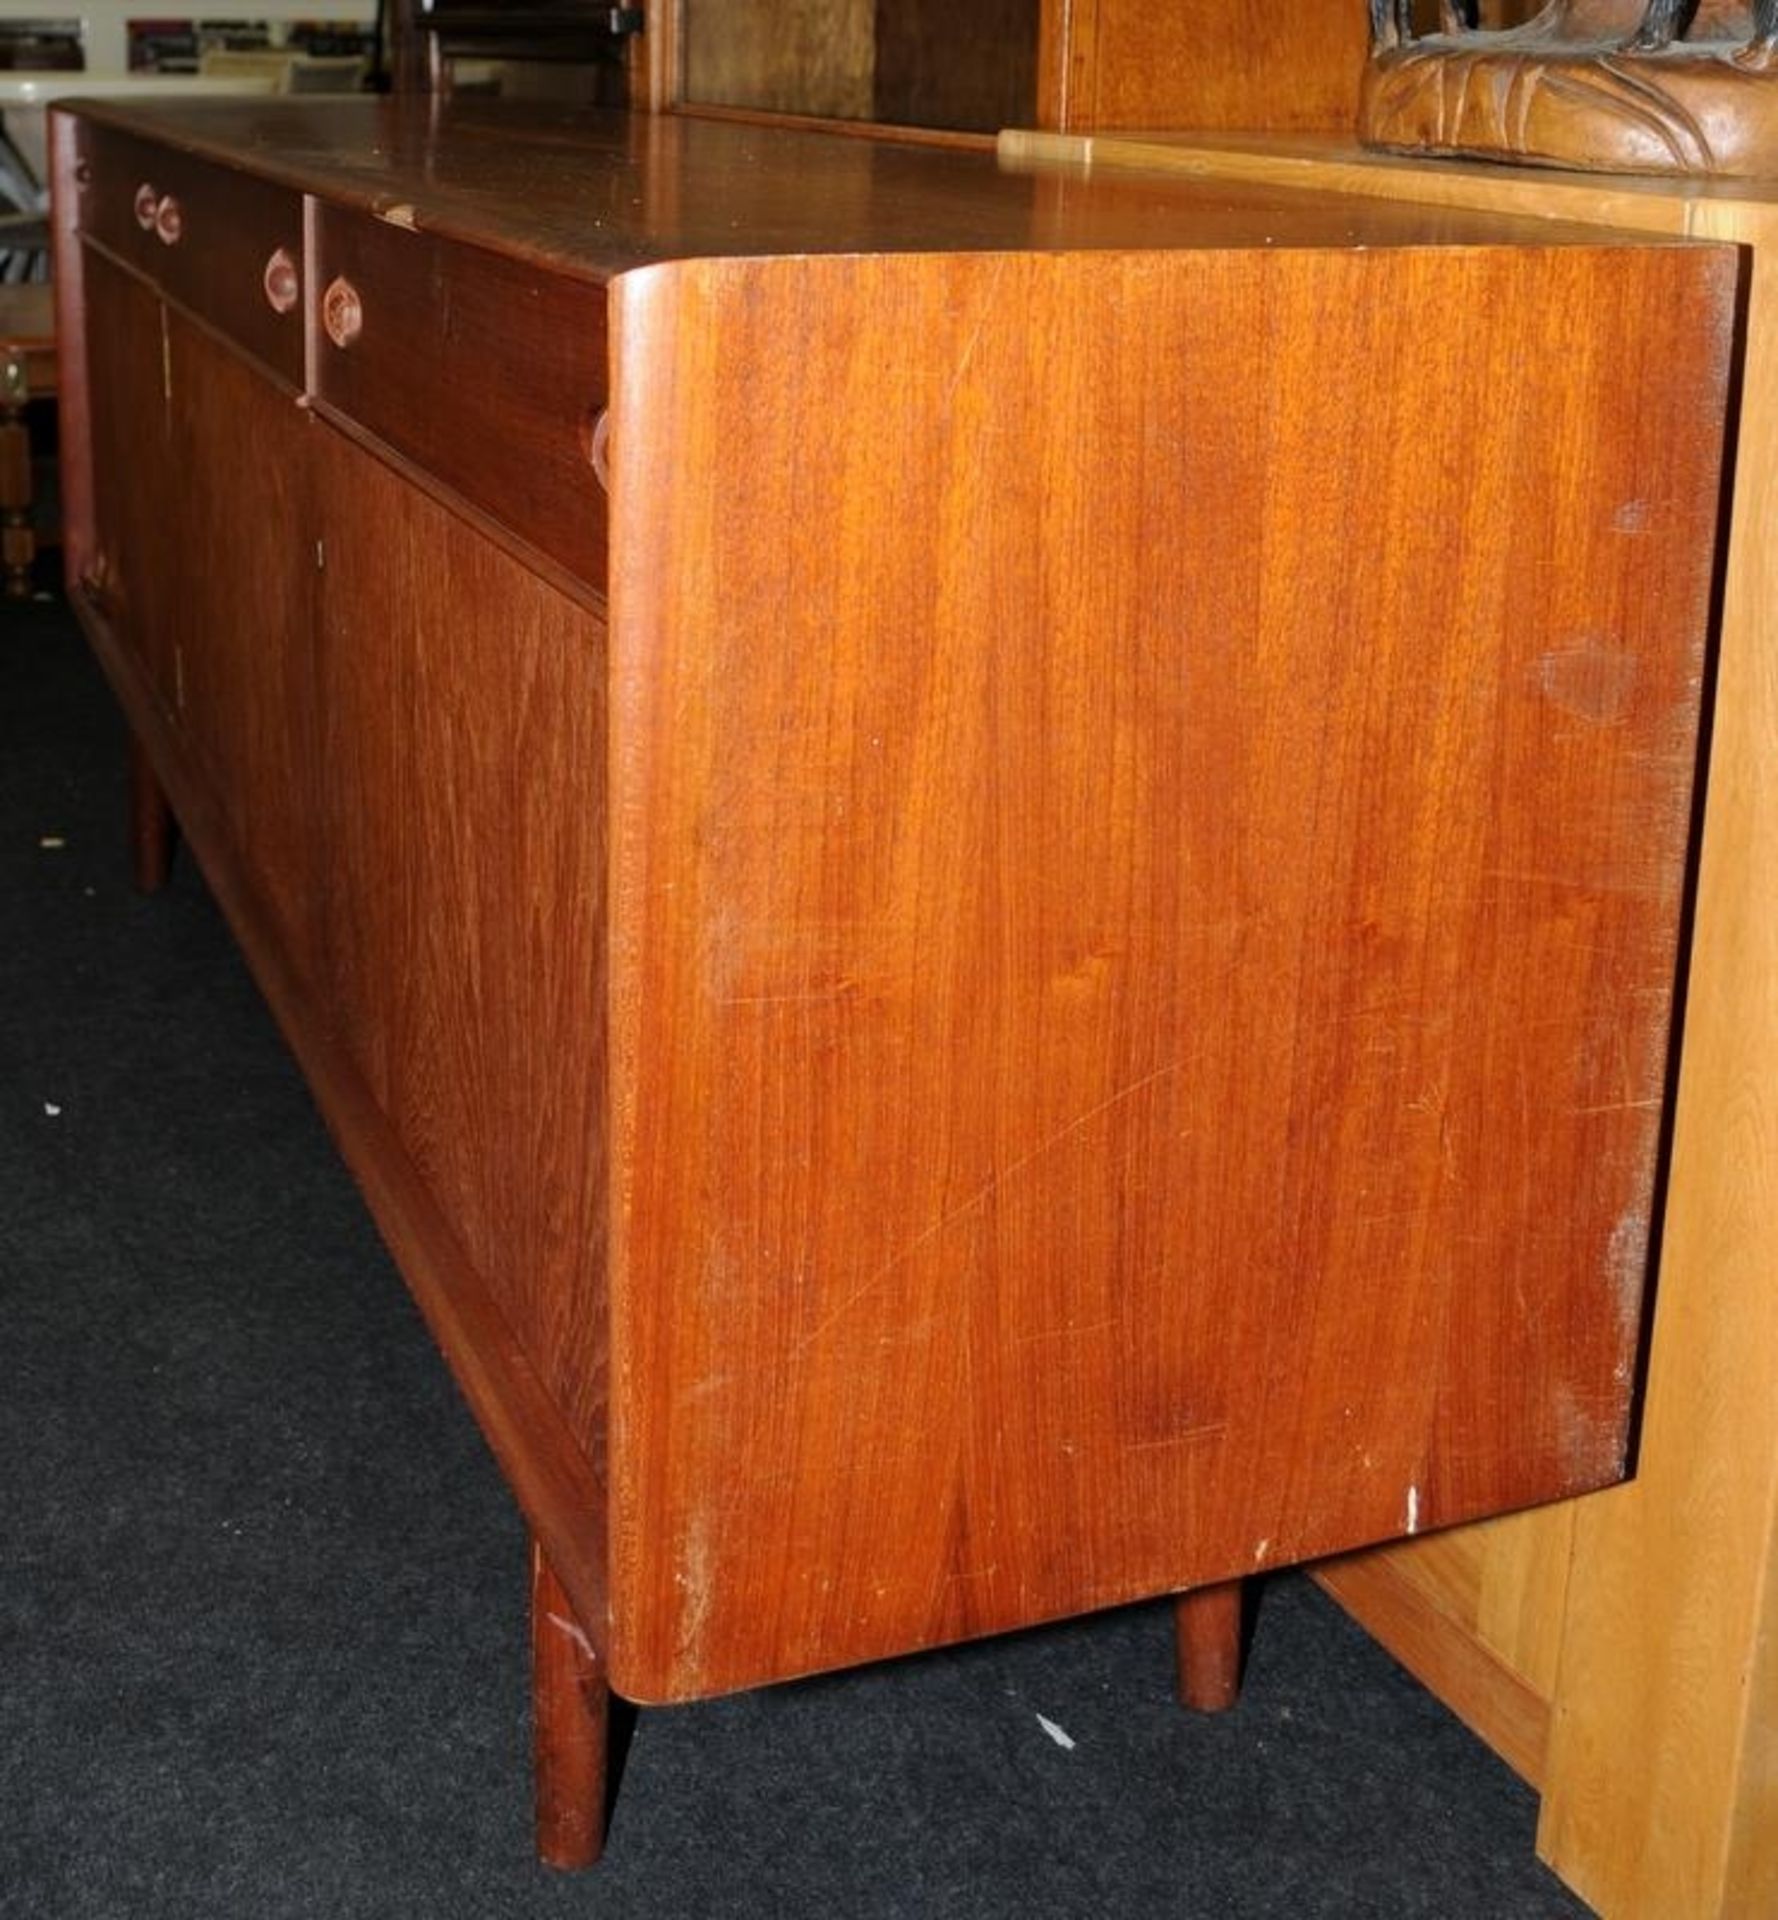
{"x":1585,"y":883}
{"x":1433,"y":1103}
{"x":1589,"y":1435}
{"x":1073,"y":1331}
{"x":400,"y":215}
{"x":1618,"y":1106}
{"x":964,"y":1207}
{"x":1413,"y":1513}
{"x":1631,"y":517}
{"x":796,"y":996}
{"x":1186,"y":1436}
{"x":1626,"y":1271}
{"x":694,"y":1581}
{"x":572,"y":1629}
{"x":976,"y":332}
{"x":701,"y":1389}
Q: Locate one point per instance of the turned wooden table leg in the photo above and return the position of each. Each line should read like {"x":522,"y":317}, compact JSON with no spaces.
{"x":151,"y":824}
{"x":571,"y":1712}
{"x":1207,"y":1632}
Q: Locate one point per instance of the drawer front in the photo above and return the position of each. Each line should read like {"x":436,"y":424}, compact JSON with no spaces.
{"x":486,"y":372}
{"x":224,"y":245}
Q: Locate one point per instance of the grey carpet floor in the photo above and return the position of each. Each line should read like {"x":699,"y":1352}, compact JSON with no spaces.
{"x":262,"y":1595}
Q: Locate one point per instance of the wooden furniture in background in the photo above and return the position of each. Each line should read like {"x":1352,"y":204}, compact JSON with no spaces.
{"x":27,"y":373}
{"x":1622,"y":1651}
{"x":817,"y":59}
{"x":984,"y":64}
{"x":966,"y":64}
{"x":1035,"y":969}
{"x":1201,"y":63}
{"x":426,"y":37}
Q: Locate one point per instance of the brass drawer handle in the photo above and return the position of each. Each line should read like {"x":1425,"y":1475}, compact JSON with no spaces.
{"x":283,"y":285}
{"x":169,"y":221}
{"x":148,"y":204}
{"x":342,"y":312}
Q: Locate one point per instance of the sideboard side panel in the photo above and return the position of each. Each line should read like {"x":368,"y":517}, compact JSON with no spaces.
{"x":1146,"y":865}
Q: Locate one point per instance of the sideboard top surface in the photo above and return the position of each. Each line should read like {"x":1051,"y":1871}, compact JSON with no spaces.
{"x":596,"y":192}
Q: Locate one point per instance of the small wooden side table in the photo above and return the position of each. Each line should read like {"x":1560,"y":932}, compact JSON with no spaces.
{"x":27,"y":372}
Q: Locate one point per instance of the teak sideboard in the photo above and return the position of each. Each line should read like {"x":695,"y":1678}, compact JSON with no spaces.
{"x":985,"y":873}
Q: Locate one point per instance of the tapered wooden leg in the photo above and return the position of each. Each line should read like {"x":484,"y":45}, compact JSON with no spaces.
{"x":571,"y":1711}
{"x":18,"y":538}
{"x":151,"y":824}
{"x":1207,"y":1630}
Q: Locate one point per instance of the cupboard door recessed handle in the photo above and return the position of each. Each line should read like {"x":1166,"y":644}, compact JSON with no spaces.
{"x":342,"y":312}
{"x":598,"y":447}
{"x":283,"y":287}
{"x":169,"y":221}
{"x":148,"y":204}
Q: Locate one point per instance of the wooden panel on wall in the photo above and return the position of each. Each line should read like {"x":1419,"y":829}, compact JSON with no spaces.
{"x":789,"y":56}
{"x":1202,"y":63}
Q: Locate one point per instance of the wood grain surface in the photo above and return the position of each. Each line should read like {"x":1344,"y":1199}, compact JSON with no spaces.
{"x":363,"y":710}
{"x":462,"y":733}
{"x":795,"y":56}
{"x":1638,"y":1624}
{"x":520,"y":351}
{"x":119,"y":552}
{"x":928,"y":63}
{"x":247,"y":714}
{"x":590,"y":193}
{"x":941,"y":64}
{"x":1140,"y":1005}
{"x":1200,"y":64}
{"x":1663,"y":1795}
{"x":1475,"y":1613}
{"x":213,"y":262}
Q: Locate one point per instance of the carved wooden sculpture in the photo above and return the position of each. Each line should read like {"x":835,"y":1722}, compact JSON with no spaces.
{"x":1624,"y":86}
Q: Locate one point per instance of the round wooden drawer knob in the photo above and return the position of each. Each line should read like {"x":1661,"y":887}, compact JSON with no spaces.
{"x":147,"y":206}
{"x":342,"y":313}
{"x":169,"y":221}
{"x":283,"y":285}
